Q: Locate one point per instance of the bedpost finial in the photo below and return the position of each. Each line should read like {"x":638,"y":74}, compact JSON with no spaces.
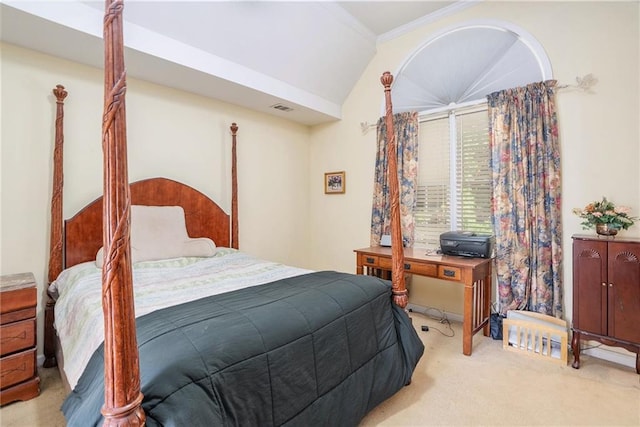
{"x":386,"y":80}
{"x":60,"y":93}
{"x":234,"y":128}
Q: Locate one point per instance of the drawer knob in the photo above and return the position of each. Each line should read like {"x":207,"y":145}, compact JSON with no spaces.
{"x":407,"y":266}
{"x":370,"y":260}
{"x":449,"y":273}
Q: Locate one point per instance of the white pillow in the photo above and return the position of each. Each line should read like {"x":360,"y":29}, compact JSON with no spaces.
{"x":160,"y":232}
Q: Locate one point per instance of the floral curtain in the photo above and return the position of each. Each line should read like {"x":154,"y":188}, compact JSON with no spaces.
{"x":406,"y":129}
{"x":526,"y":202}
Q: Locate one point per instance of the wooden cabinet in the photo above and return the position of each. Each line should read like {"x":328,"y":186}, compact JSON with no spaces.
{"x":606,"y":293}
{"x":18,"y":301}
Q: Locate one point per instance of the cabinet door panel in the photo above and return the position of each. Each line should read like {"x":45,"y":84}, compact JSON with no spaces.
{"x":624,"y":291}
{"x":589,"y":294}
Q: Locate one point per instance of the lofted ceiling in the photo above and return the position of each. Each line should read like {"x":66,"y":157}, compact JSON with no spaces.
{"x":303,"y":56}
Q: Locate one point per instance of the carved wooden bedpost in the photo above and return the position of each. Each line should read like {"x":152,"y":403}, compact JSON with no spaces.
{"x":235,"y":243}
{"x":55,"y":252}
{"x":122,"y":398}
{"x":397,"y":249}
{"x":55,"y":244}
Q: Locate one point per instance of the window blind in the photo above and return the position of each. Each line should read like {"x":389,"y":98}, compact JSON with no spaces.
{"x":454,"y":179}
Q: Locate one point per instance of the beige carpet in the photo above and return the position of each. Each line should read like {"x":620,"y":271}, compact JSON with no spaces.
{"x":44,"y":410}
{"x":493,"y":387}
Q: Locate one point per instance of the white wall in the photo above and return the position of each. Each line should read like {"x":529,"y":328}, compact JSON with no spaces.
{"x":599,"y":132}
{"x":170,"y":133}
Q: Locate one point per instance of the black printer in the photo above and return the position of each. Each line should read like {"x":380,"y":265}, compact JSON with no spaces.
{"x":467,"y":243}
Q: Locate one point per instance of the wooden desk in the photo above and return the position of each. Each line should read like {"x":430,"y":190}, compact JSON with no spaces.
{"x":474,"y":273}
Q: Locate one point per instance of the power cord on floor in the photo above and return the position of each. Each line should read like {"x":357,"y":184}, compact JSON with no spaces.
{"x":588,"y":347}
{"x":440,"y":317}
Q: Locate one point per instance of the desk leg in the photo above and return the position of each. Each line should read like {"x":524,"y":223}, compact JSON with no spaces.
{"x":467,"y":322}
{"x":487,"y":301}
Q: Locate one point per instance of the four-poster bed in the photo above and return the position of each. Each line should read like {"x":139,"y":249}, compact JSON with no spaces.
{"x":296,"y":349}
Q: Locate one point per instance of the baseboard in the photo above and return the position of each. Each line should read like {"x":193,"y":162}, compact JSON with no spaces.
{"x":612,"y":356}
{"x":601,"y":352}
{"x":431,"y":311}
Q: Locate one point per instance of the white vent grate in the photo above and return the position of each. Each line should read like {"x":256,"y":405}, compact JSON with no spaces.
{"x":282,"y":107}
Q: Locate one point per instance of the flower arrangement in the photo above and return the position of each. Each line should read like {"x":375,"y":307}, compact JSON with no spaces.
{"x":605,"y":212}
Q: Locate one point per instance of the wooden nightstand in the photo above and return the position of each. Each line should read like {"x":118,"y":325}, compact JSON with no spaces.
{"x":18,"y":370}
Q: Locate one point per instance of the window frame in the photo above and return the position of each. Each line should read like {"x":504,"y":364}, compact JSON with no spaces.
{"x":430,"y":239}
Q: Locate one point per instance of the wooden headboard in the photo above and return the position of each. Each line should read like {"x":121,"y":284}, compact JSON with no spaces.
{"x":79,"y":238}
{"x":204,"y":218}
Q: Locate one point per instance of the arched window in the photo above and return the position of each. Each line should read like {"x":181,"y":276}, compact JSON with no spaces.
{"x":447,"y":80}
{"x":462,"y":65}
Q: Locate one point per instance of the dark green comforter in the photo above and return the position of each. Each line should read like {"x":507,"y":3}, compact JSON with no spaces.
{"x":319,"y":349}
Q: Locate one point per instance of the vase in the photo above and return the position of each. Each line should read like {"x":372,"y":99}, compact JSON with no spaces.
{"x":606,"y":230}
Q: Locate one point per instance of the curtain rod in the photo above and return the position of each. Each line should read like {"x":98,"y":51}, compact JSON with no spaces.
{"x":582,"y":83}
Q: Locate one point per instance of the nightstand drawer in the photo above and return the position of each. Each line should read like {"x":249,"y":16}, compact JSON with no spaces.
{"x":18,"y":299}
{"x":18,"y":367}
{"x":14,"y":316}
{"x":18,"y":293}
{"x":420,"y":268}
{"x":449,"y":273}
{"x":17,"y":336}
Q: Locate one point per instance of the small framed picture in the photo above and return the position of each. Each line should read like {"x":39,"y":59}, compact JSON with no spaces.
{"x":334,"y":182}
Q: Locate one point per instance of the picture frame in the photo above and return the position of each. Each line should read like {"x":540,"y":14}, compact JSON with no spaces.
{"x":334,"y":182}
